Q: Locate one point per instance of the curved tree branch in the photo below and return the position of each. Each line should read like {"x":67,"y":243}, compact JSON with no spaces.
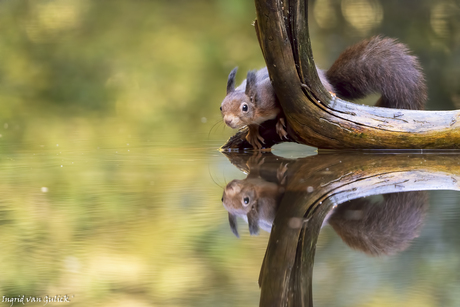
{"x":319,"y":120}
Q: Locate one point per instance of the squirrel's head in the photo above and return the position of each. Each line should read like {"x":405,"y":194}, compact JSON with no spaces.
{"x":239,"y":106}
{"x":240,"y":199}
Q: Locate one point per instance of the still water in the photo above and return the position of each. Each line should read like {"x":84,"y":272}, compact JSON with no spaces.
{"x":123,"y":220}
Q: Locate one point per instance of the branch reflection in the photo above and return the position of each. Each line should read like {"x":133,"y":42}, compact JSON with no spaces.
{"x":294,"y":199}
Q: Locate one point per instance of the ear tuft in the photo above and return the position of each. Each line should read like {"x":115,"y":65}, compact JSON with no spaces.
{"x":233,"y":224}
{"x":231,"y":80}
{"x":251,"y":83}
{"x":253,"y":221}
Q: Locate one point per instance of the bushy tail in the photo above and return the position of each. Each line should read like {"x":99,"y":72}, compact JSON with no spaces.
{"x":379,"y":65}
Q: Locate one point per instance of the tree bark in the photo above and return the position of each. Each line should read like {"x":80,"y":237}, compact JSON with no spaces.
{"x":317,"y":119}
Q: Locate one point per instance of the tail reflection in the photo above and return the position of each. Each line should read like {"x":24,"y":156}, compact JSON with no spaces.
{"x":382,"y":228}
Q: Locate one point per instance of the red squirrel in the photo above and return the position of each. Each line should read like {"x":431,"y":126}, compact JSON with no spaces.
{"x":256,"y":198}
{"x":376,"y":65}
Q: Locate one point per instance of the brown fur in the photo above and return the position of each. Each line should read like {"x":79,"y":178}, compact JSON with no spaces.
{"x":257,"y":93}
{"x":383,"y":228}
{"x":379,"y":65}
{"x":263,"y":199}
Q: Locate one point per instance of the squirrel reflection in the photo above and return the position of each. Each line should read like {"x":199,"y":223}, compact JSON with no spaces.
{"x":256,"y":198}
{"x":377,"y":228}
{"x":383,"y":228}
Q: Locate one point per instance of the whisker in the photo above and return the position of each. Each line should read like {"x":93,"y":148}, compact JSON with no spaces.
{"x":223,"y":127}
{"x":212,"y":178}
{"x":223,"y":175}
{"x":219,"y":121}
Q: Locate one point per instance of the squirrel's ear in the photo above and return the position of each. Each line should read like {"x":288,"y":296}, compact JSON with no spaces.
{"x":231,"y":80}
{"x":233,"y":224}
{"x":251,"y":83}
{"x":253,"y":221}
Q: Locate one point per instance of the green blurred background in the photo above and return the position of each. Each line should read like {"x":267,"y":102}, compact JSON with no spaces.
{"x":154,"y":62}
{"x":109,"y":126}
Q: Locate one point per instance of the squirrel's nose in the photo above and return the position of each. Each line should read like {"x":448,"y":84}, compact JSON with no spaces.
{"x":228,"y":122}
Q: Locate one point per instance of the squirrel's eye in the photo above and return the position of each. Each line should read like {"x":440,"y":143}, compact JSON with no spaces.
{"x":246,"y":200}
{"x":221,"y":108}
{"x":222,"y":199}
{"x":244,"y":107}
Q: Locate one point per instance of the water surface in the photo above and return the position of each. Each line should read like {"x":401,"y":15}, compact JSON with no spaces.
{"x":127,"y":221}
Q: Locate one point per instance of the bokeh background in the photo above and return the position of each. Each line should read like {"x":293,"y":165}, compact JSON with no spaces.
{"x":153,"y":62}
{"x":110,"y":179}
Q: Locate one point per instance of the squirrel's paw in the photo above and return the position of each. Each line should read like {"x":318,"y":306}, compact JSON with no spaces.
{"x":255,"y":161}
{"x":255,"y":139}
{"x":281,"y":173}
{"x":280,"y":125}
